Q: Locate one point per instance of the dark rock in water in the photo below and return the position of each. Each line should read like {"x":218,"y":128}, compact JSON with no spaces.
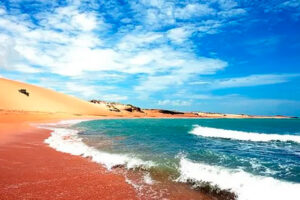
{"x":170,"y":112}
{"x":23,"y":91}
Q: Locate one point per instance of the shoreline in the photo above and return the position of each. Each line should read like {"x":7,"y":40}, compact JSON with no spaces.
{"x":57,"y":173}
{"x":133,"y":169}
{"x":23,"y":133}
{"x":30,"y":169}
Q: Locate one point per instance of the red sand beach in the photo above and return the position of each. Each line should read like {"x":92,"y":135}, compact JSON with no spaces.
{"x":29,"y":169}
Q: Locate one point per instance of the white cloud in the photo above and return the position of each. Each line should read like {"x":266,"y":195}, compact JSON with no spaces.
{"x":200,"y":83}
{"x":69,"y":18}
{"x":180,"y":34}
{"x":254,"y":80}
{"x":86,"y":22}
{"x":26,"y":68}
{"x":168,"y":102}
{"x":246,"y":81}
{"x":67,"y":53}
{"x":2,"y":11}
{"x":132,"y":41}
{"x":11,"y":59}
{"x":84,"y":91}
{"x":209,"y":26}
{"x":193,"y":10}
{"x":232,"y":12}
{"x":156,"y":14}
{"x":183,"y":67}
{"x":227,"y":4}
{"x":8,"y":54}
{"x":113,"y":97}
{"x":78,"y":48}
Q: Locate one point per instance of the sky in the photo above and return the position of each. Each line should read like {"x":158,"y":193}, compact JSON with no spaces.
{"x":213,"y":56}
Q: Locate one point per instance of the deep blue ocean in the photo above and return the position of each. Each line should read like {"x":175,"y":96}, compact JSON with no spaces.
{"x":242,"y":155}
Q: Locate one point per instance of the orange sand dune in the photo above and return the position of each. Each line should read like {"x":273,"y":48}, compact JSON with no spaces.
{"x":43,"y":100}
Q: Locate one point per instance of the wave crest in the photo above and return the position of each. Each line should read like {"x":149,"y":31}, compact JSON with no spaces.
{"x":241,"y":135}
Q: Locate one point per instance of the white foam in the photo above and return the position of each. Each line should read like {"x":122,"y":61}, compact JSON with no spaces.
{"x":147,"y":179}
{"x":245,"y":185}
{"x":66,"y":140}
{"x":240,"y":135}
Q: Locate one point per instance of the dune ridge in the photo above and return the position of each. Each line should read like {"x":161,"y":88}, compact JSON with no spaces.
{"x":43,"y":100}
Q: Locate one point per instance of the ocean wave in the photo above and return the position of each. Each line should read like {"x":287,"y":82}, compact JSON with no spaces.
{"x":66,"y":140}
{"x":246,"y":186}
{"x":240,"y":135}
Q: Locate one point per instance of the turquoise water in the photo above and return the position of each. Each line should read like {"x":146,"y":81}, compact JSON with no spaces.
{"x":163,"y":140}
{"x":271,"y":148}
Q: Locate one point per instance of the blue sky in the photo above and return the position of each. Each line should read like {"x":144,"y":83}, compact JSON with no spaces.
{"x":217,"y":56}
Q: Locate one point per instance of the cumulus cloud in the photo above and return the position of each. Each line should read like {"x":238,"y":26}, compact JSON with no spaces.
{"x":68,"y":40}
{"x":77,"y":47}
{"x":180,"y":34}
{"x":177,"y":76}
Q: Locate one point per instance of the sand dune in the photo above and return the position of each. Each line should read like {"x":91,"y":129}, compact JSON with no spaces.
{"x":43,"y":100}
{"x":37,"y":99}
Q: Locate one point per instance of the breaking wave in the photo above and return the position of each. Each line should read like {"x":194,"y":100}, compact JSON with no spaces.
{"x":246,"y":186}
{"x":67,"y":140}
{"x":240,"y":135}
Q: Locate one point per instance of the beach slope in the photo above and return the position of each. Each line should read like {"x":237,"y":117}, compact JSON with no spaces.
{"x":25,"y":97}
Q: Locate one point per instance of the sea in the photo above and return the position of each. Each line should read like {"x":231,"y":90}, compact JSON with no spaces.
{"x":246,"y":159}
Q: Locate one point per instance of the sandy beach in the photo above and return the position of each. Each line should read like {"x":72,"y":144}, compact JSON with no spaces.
{"x":29,"y":169}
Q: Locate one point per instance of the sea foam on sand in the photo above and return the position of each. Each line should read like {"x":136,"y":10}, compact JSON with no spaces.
{"x":67,"y":140}
{"x":240,"y":135}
